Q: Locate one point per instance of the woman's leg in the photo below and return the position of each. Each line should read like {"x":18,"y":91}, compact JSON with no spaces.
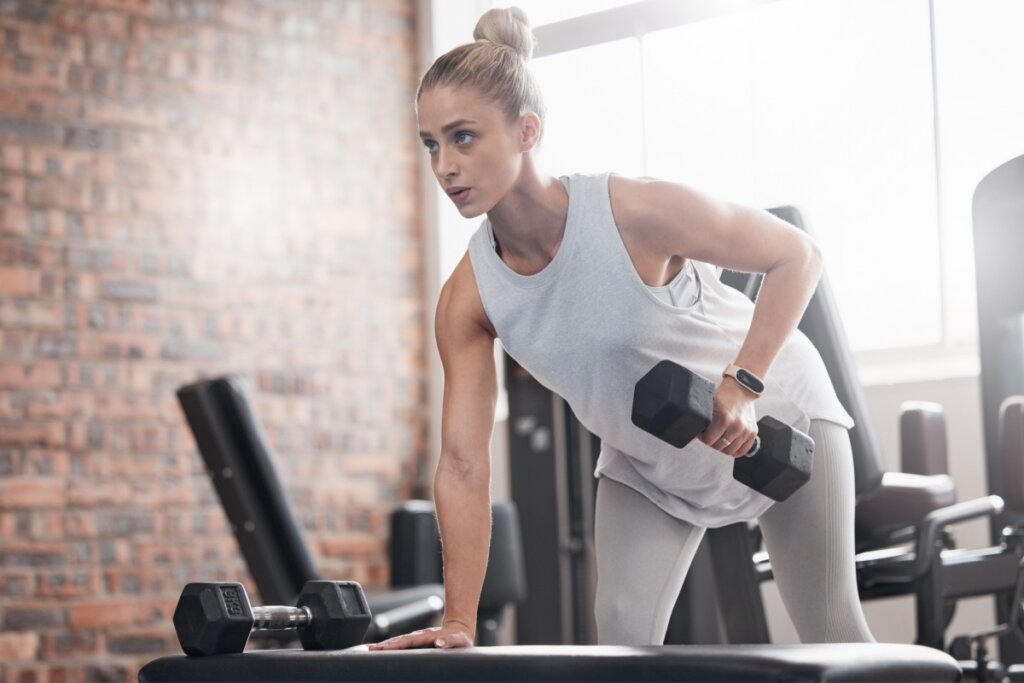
{"x":809,"y":538}
{"x":643,"y":555}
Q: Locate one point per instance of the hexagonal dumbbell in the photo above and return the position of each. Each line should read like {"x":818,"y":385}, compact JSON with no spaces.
{"x":675,"y":404}
{"x":217,"y":618}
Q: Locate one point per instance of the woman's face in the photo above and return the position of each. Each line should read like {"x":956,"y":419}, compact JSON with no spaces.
{"x":471,"y":146}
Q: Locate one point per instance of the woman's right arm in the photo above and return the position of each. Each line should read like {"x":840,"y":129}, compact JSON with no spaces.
{"x":462,"y":479}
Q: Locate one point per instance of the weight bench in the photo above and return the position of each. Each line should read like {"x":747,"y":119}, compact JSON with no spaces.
{"x":243,"y":475}
{"x":827,"y":662}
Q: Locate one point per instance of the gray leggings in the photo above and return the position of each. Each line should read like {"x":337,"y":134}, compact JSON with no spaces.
{"x":643,"y":554}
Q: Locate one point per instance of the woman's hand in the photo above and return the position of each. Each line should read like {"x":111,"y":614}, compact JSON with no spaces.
{"x":733,"y":427}
{"x":442,"y":637}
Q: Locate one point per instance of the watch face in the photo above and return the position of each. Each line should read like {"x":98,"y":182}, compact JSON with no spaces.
{"x":749,"y":380}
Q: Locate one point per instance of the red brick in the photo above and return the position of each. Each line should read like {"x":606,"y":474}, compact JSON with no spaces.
{"x":18,"y":646}
{"x":68,"y":645}
{"x":80,"y":524}
{"x":69,"y":583}
{"x":18,"y":281}
{"x":16,"y":584}
{"x":107,"y":613}
{"x":21,"y":434}
{"x":13,"y":220}
{"x":29,"y":555}
{"x":29,"y":493}
{"x":94,"y":493}
{"x":352,"y":545}
{"x":37,"y":375}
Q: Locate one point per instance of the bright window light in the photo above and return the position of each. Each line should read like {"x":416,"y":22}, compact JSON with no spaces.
{"x":826,"y":106}
{"x":542,"y":12}
{"x":875,"y":118}
{"x":594,"y":121}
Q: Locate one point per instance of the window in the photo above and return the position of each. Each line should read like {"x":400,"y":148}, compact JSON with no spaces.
{"x":549,"y":11}
{"x":594,"y":104}
{"x":876,"y":119}
{"x":827,"y":107}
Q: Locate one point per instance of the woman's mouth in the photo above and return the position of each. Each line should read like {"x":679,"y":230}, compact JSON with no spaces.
{"x":460,"y":196}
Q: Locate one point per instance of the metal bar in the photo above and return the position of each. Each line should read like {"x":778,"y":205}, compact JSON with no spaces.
{"x":275,"y":617}
{"x":631,"y":21}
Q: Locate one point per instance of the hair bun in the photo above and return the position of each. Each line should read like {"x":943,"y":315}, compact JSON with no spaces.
{"x":507,"y":26}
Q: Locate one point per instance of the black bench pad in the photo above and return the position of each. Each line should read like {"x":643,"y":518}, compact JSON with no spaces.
{"x":827,"y":662}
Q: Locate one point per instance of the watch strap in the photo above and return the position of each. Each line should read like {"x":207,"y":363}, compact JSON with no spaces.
{"x":745,"y":377}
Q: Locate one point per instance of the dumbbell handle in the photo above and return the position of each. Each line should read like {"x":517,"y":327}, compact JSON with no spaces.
{"x":278,"y":617}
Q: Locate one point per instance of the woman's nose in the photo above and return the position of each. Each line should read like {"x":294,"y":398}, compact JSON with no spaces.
{"x":445,"y":163}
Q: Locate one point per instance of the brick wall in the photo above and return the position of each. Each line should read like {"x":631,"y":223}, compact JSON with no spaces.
{"x":190,"y":188}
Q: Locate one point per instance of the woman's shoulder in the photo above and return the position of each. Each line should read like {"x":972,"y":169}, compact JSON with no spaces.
{"x":460,"y":301}
{"x":631,"y":201}
{"x":660,"y":210}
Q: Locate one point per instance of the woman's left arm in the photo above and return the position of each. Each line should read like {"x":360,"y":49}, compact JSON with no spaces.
{"x":672,"y":219}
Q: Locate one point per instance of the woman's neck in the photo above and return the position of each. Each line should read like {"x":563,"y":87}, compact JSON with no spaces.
{"x":529,"y":222}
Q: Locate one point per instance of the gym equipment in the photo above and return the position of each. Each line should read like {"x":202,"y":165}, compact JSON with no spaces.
{"x":239,"y":465}
{"x":675,"y":404}
{"x":972,"y":649}
{"x":217,"y":618}
{"x":830,"y":662}
{"x":997,"y":211}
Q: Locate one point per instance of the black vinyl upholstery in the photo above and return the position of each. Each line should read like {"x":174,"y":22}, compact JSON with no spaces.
{"x":242,"y":471}
{"x":829,"y":662}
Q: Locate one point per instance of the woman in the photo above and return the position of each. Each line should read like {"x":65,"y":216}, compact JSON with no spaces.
{"x":589,"y":281}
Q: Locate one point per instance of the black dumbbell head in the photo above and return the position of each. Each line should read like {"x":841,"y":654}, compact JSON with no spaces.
{"x":341,"y":615}
{"x":213,"y":618}
{"x":782,"y":464}
{"x":673,"y":403}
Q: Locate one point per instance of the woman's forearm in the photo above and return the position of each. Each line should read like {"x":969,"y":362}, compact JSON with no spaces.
{"x":462,"y":500}
{"x":781,"y":301}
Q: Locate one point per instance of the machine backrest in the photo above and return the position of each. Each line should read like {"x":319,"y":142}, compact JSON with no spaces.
{"x":997,"y":211}
{"x":239,"y":465}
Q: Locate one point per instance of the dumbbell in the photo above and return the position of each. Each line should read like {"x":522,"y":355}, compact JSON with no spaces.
{"x":217,"y":618}
{"x":676,"y":404}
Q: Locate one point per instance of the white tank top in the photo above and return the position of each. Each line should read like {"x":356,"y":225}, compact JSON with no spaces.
{"x":587,"y":328}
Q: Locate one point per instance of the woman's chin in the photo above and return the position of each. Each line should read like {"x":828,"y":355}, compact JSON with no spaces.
{"x":470,"y":211}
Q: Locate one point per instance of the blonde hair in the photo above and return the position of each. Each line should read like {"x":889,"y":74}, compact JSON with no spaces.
{"x":494,"y":65}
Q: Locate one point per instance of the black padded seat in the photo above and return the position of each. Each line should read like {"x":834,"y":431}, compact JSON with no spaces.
{"x":902,"y":500}
{"x":828,"y":662}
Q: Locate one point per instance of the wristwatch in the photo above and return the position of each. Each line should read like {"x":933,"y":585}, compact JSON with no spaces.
{"x":749,"y":380}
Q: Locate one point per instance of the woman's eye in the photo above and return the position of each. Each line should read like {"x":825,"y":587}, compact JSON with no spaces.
{"x":429,"y":145}
{"x":462,"y":134}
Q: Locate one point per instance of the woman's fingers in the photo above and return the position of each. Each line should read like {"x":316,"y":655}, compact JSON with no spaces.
{"x":409,"y":640}
{"x":439,"y":638}
{"x":743,"y":446}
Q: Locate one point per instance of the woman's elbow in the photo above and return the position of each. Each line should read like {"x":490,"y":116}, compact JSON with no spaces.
{"x":813,"y":260}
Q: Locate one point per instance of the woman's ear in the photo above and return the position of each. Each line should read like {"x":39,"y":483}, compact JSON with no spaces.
{"x":530,"y":128}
